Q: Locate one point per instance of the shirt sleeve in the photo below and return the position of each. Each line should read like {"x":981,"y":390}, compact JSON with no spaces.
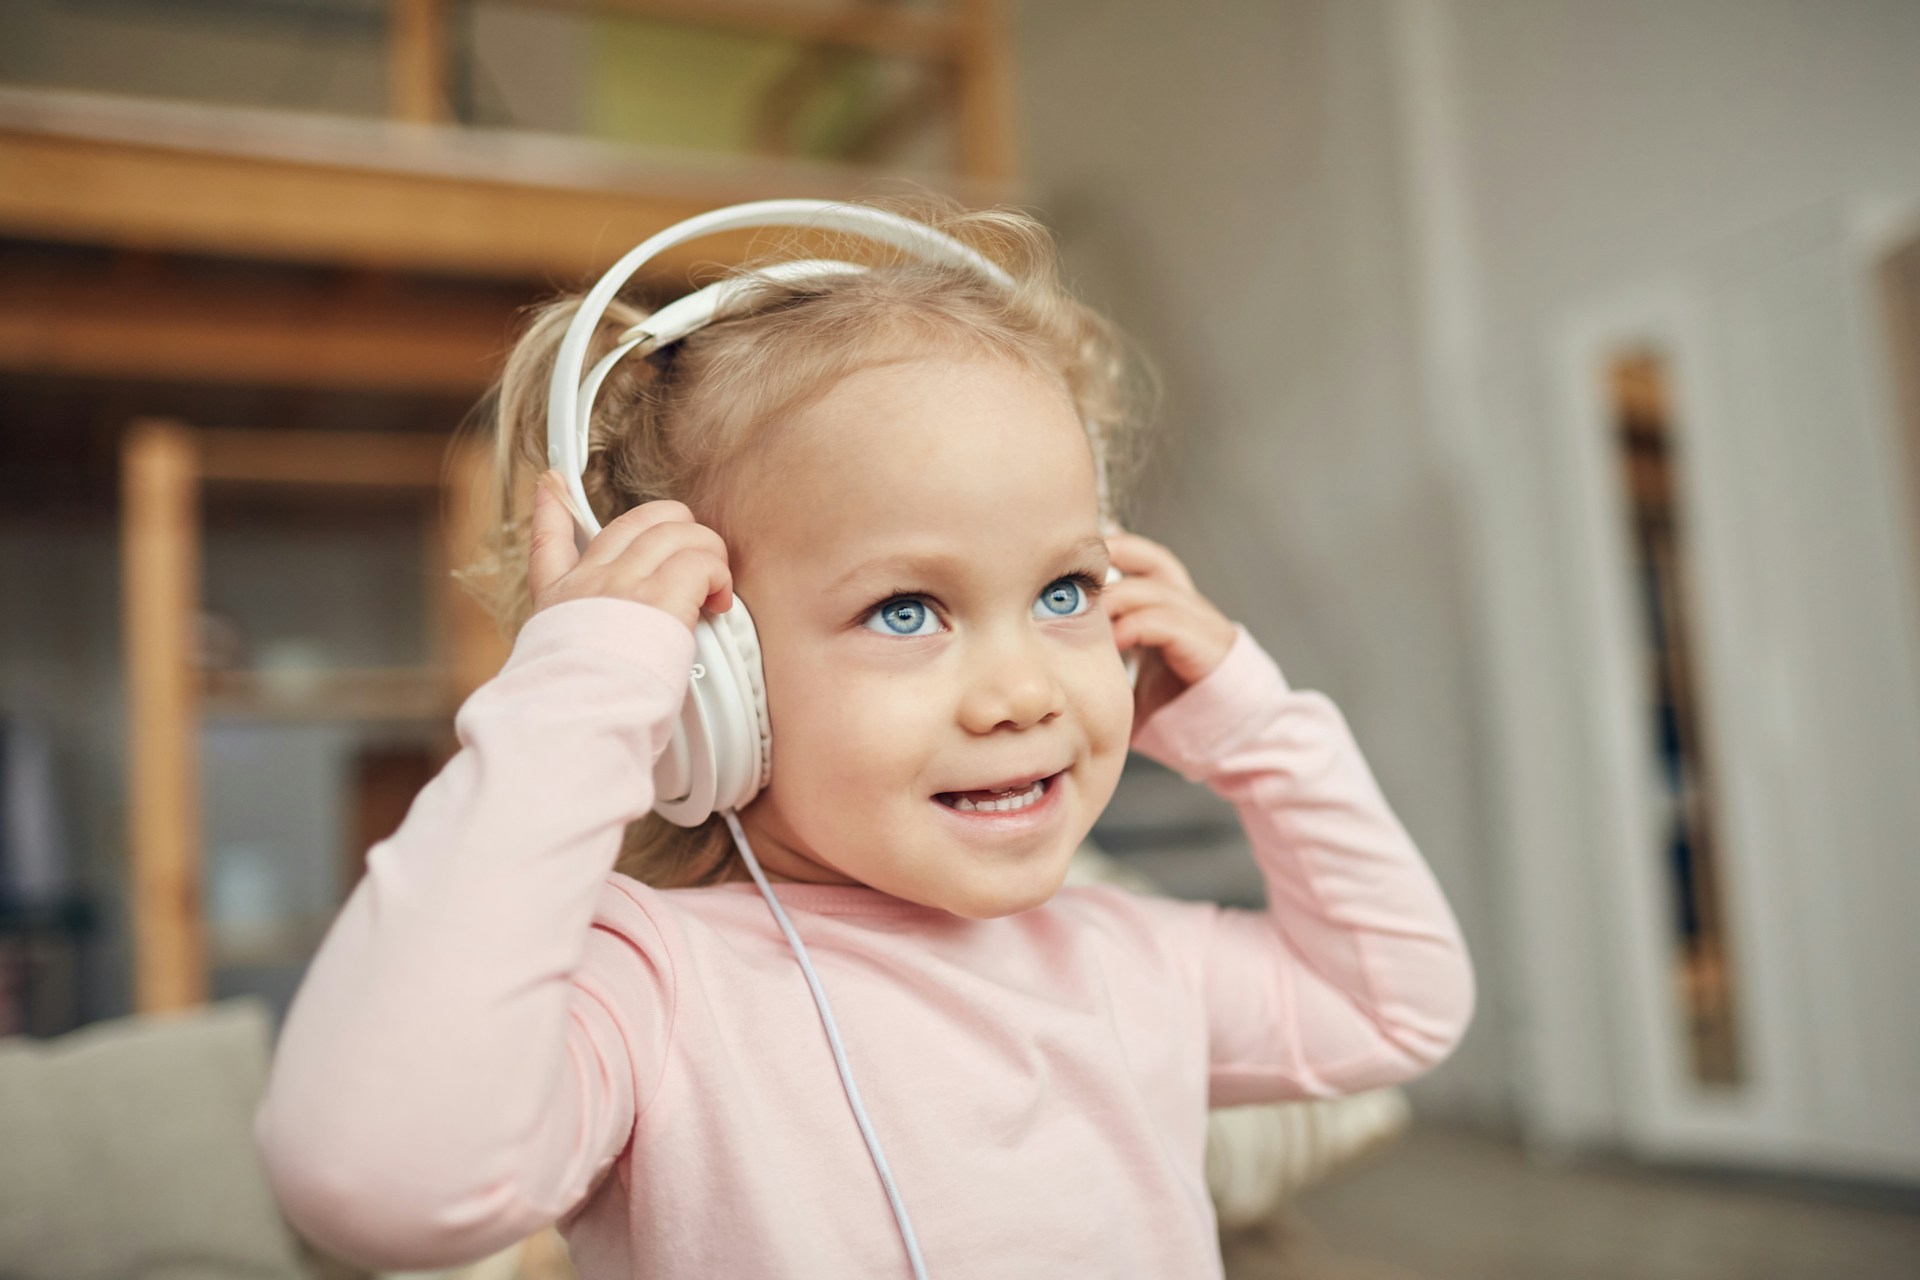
{"x":452,"y":1074}
{"x":1356,"y":974}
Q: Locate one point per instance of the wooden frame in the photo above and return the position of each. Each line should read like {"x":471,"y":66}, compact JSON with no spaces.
{"x":417,"y":60}
{"x":413,"y":194}
{"x":166,"y":467}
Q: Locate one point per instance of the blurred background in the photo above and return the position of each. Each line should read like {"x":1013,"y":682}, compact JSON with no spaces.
{"x":1540,"y":380}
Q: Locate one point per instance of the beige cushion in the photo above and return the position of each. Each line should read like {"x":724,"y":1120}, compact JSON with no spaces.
{"x":126,"y":1150}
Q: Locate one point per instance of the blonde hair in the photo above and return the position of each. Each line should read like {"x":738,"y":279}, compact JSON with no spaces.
{"x":681,"y":423}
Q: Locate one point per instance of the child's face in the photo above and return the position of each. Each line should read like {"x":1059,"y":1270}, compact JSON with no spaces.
{"x":958,"y":493}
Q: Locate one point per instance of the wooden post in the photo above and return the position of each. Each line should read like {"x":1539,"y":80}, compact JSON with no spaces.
{"x":989,"y":148}
{"x":417,"y":60}
{"x":160,"y":588}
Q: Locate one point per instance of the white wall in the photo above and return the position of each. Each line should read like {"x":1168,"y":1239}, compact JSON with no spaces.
{"x":1226,"y":182}
{"x":1346,"y":230}
{"x":1601,"y":146}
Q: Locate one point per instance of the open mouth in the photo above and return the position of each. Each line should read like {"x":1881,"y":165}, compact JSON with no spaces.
{"x":1000,"y":800}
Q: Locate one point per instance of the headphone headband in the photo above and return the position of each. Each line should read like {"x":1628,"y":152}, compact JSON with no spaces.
{"x":571,"y":395}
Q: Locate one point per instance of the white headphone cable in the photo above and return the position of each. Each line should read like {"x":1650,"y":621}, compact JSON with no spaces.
{"x":833,"y":1041}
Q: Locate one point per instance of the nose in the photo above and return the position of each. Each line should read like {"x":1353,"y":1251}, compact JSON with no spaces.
{"x":1011,"y":682}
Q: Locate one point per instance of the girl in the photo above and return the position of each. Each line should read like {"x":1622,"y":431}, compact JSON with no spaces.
{"x":543,"y":1004}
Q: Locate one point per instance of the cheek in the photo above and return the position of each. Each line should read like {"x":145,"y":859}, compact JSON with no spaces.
{"x":837,"y":733}
{"x":1102,"y":698}
{"x":1106,"y":709}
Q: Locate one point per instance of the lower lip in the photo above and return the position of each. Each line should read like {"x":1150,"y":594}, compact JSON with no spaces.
{"x":995,"y":822}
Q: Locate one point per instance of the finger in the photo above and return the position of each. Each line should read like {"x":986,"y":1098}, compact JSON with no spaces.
{"x":1143,"y":557}
{"x":697,"y":570}
{"x":1165,"y":627}
{"x":620,"y":531}
{"x":550,"y":551}
{"x":1188,"y":645}
{"x":1128,"y":594}
{"x":652,"y":547}
{"x":1153,"y":626}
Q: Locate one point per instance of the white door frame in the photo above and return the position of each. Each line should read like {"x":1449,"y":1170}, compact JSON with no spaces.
{"x":1747,"y":563}
{"x":1663,"y":1112}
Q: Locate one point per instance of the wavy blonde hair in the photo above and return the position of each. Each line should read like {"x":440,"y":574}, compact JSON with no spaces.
{"x":682,"y":422}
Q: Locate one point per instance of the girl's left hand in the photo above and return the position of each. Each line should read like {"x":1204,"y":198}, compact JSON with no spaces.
{"x":1155,"y":606}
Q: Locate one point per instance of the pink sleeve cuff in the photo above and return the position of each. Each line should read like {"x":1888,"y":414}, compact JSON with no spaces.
{"x":635,"y":634}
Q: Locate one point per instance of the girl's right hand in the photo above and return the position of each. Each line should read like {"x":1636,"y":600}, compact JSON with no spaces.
{"x":655,"y":553}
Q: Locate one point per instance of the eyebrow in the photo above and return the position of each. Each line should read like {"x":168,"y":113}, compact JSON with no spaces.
{"x":926,"y":565}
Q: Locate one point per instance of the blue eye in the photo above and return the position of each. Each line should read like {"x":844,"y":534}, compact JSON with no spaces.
{"x":903,"y":616}
{"x":1063,"y":598}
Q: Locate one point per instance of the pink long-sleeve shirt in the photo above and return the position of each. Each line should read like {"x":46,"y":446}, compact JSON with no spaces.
{"x":499,"y":1032}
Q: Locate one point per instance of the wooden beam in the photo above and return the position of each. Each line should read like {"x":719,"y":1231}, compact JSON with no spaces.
{"x":899,"y":33}
{"x":164,"y":324}
{"x":160,"y":576}
{"x":355,"y":459}
{"x":417,"y":57}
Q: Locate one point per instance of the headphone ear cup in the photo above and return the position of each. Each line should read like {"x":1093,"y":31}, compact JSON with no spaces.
{"x":720,"y":752}
{"x":685,"y":774}
{"x":740,"y":639}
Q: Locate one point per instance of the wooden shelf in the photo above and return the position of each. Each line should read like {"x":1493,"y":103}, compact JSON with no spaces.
{"x":487,"y":204}
{"x":367,"y":694}
{"x":168,"y":469}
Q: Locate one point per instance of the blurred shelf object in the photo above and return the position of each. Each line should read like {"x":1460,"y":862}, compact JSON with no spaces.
{"x":927,"y":31}
{"x":290,"y":942}
{"x":167,"y":470}
{"x":397,"y":693}
{"x":70,"y":915}
{"x":39,"y":955}
{"x":961,"y":42}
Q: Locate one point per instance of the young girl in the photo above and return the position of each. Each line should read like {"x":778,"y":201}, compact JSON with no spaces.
{"x":543,"y":1003}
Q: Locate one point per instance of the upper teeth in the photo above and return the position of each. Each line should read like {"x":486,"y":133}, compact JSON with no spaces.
{"x":1001,"y":804}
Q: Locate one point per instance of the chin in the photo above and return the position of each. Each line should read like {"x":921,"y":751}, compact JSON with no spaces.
{"x":1008,"y":898}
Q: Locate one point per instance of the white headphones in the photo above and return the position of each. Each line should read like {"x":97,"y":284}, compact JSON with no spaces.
{"x":720,"y":753}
